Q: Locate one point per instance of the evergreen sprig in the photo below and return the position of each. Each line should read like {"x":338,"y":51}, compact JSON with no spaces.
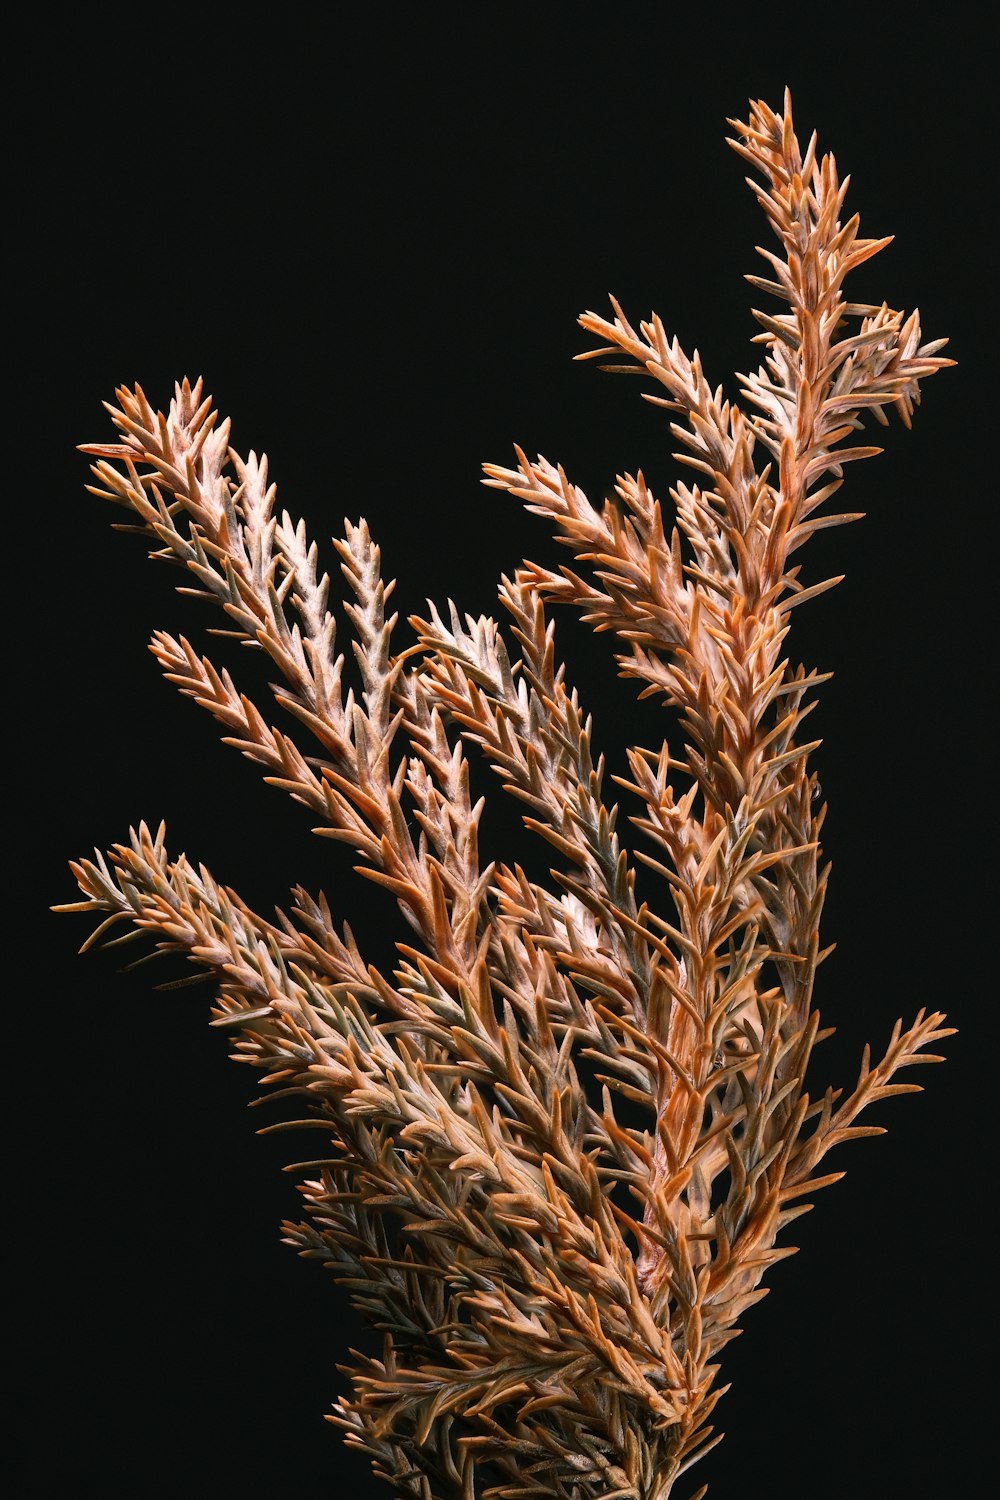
{"x":553,"y":1280}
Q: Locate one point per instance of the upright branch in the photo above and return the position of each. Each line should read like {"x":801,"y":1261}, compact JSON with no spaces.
{"x":553,"y":1279}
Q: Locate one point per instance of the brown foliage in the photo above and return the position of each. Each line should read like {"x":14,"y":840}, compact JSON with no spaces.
{"x":541,"y":1339}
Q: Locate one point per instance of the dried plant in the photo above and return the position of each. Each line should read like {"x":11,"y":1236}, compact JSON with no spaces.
{"x":559,"y":1143}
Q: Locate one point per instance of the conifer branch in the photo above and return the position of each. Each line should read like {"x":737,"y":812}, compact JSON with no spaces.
{"x":551,"y":1155}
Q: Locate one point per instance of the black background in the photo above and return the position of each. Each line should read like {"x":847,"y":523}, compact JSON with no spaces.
{"x":373,"y":237}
